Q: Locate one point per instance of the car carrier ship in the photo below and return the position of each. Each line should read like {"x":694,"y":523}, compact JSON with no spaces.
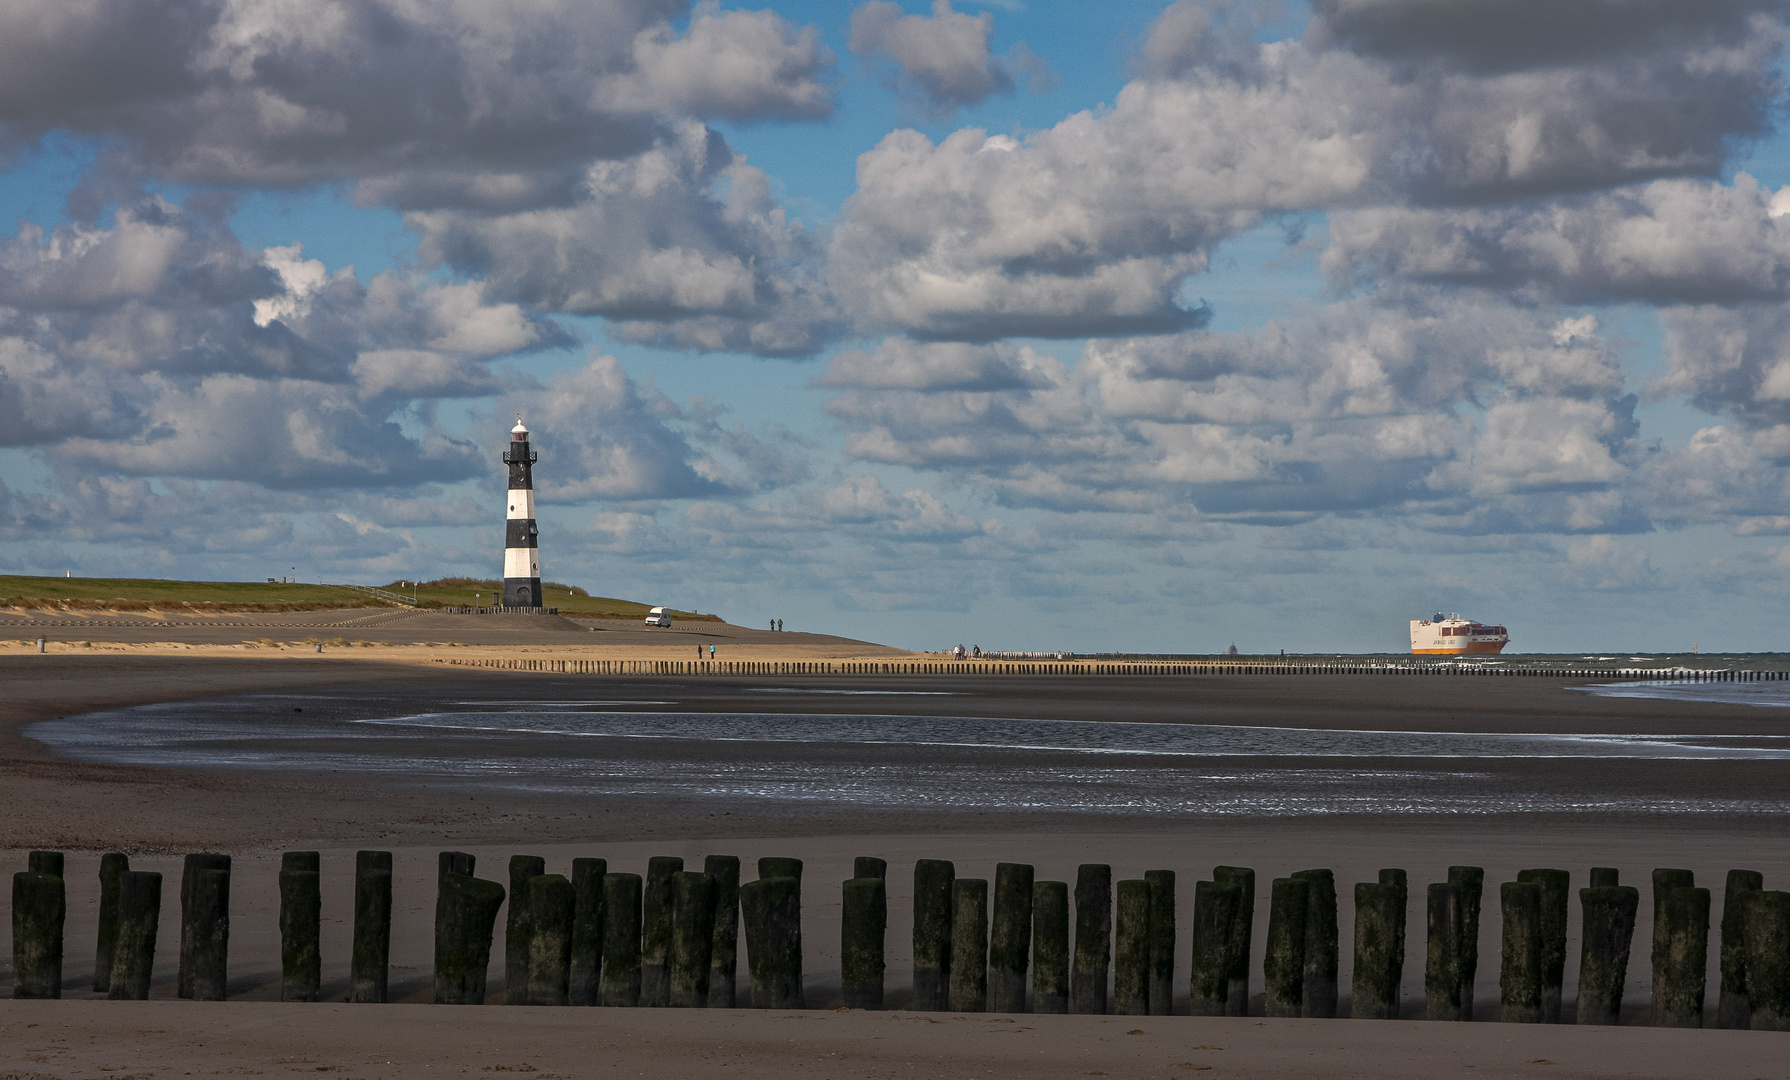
{"x":1451,"y":635}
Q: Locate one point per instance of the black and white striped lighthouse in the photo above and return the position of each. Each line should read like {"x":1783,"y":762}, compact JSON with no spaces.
{"x":521,"y":547}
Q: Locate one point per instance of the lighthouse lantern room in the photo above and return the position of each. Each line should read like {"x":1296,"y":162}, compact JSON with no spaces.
{"x":521,"y":546}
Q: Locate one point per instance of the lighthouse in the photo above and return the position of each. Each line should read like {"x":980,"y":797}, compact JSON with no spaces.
{"x":521,"y":547}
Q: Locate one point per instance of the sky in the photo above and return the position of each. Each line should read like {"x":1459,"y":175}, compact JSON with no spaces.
{"x":1122,"y":327}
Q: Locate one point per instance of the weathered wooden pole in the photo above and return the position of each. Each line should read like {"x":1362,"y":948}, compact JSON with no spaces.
{"x":301,"y":925}
{"x":864,"y":921}
{"x":969,"y":945}
{"x":1050,"y":946}
{"x":656,"y":902}
{"x":112,"y":866}
{"x":1664,"y":881}
{"x":133,"y":957}
{"x":1520,"y":977}
{"x":1556,"y":899}
{"x":465,"y":919}
{"x":552,"y":906}
{"x":1470,"y":881}
{"x":371,"y":961}
{"x":39,"y":905}
{"x":1242,"y":931}
{"x":692,"y":939}
{"x":1680,"y":980}
{"x":200,"y":928}
{"x":1732,"y":1009}
{"x":1283,"y":956}
{"x":1209,"y":971}
{"x":932,"y":934}
{"x":1162,"y":941}
{"x":584,"y":974}
{"x":778,"y":866}
{"x":1766,"y":931}
{"x":454,"y":862}
{"x":724,"y":953}
{"x":869,"y":866}
{"x":1010,"y":938}
{"x":1608,"y":930}
{"x":1093,"y":938}
{"x":621,"y":940}
{"x":1605,"y":876}
{"x":1442,"y":957}
{"x":1131,"y":949}
{"x":1322,"y":947}
{"x":44,"y":862}
{"x":1374,"y":991}
{"x":771,"y":914}
{"x":211,"y":926}
{"x":517,"y":924}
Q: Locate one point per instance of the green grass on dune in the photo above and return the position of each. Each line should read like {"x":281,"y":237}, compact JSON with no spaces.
{"x":146,"y":594}
{"x":569,"y":599}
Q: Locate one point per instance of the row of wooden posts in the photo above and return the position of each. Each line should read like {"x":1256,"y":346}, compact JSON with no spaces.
{"x":672,"y":939}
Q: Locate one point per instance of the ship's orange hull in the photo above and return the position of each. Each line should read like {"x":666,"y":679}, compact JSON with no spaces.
{"x":1480,"y":648}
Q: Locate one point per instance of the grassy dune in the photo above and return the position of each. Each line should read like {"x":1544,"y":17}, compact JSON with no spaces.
{"x":157,"y":594}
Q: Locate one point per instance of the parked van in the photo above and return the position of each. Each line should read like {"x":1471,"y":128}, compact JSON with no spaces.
{"x":658,"y":617}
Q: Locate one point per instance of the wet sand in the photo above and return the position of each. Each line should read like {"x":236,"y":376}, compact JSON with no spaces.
{"x":156,"y":813}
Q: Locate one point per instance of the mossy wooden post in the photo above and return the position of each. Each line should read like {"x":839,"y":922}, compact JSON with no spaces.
{"x":1209,"y":970}
{"x":1010,"y":938}
{"x":1283,"y":955}
{"x":516,"y":928}
{"x":1556,"y":899}
{"x":584,"y":973}
{"x":211,"y":935}
{"x":1050,"y":946}
{"x":1318,"y":999}
{"x":864,"y":920}
{"x":1664,"y":881}
{"x":454,"y":862}
{"x":1242,"y":934}
{"x":1374,"y":991}
{"x":1093,"y":938}
{"x":1442,"y":957}
{"x":133,"y":957}
{"x":777,"y":866}
{"x":371,"y":961}
{"x":932,"y":935}
{"x":1765,"y":930}
{"x":771,"y":915}
{"x":621,"y":940}
{"x":465,"y":921}
{"x":1470,"y":881}
{"x":969,"y":945}
{"x":869,"y":866}
{"x":45,"y":862}
{"x":1608,"y":930}
{"x":112,"y":866}
{"x":1520,"y":976}
{"x":725,"y":951}
{"x":39,"y":905}
{"x":692,"y":939}
{"x":1732,"y":1009}
{"x":1162,"y":941}
{"x":1131,"y":949}
{"x":552,"y":905}
{"x":301,"y":925}
{"x":191,"y":931}
{"x":656,"y":902}
{"x":1678,"y":999}
{"x":1605,"y":876}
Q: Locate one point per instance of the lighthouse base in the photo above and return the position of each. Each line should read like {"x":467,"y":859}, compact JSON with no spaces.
{"x":521,"y":592}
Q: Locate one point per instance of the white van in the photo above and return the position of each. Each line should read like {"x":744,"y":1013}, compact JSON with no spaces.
{"x":658,"y":617}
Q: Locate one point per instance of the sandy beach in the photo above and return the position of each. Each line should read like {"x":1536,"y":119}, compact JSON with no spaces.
{"x":1180,"y":812}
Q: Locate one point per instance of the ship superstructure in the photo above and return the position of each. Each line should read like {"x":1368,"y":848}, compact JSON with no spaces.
{"x":1447,"y":635}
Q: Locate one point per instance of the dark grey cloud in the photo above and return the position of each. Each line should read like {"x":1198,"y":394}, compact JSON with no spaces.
{"x":489,"y":104}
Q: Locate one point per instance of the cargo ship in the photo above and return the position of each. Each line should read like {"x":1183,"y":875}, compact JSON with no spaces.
{"x":1451,"y":635}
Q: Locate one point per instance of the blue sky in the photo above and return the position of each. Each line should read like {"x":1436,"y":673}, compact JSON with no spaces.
{"x":1126,"y":326}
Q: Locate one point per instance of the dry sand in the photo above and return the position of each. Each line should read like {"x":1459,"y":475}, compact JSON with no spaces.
{"x":156,"y":813}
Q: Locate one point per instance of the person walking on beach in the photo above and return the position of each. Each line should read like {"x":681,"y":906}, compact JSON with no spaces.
{"x":711,"y":651}
{"x":780,"y":626}
{"x":699,"y":652}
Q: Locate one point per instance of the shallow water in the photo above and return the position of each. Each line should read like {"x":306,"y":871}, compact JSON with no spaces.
{"x":599,"y":747}
{"x":1775,"y":695}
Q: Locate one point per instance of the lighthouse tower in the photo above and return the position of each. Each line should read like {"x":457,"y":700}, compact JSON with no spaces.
{"x":521,"y":548}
